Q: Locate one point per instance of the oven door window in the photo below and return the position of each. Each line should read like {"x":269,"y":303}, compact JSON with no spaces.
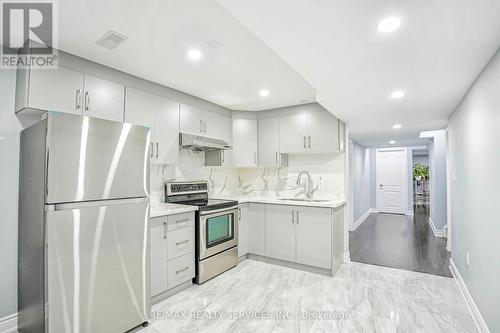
{"x":219,"y":229}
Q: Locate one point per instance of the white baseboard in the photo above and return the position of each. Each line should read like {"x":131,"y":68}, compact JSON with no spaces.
{"x":436,"y":232}
{"x":409,"y":213}
{"x":347,"y":256}
{"x":476,"y":315}
{"x":361,"y":219}
{"x":8,"y":324}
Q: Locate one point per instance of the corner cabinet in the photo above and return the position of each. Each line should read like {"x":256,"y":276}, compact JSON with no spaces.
{"x":194,"y":120}
{"x":252,"y":229}
{"x":299,"y":234}
{"x":244,"y":142}
{"x":162,"y":116}
{"x":310,"y":132}
{"x":269,"y":154}
{"x":69,"y":91}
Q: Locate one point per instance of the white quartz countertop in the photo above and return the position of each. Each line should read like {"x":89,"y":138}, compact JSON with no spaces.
{"x":277,"y":201}
{"x":164,"y":209}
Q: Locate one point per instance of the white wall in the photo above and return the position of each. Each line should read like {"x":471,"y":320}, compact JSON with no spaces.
{"x":9,"y":179}
{"x":474,"y":149}
{"x":421,"y":159}
{"x":437,"y":174}
{"x":361,"y":181}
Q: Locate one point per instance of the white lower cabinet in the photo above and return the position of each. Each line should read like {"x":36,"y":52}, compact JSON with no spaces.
{"x":172,"y":251}
{"x":299,"y":234}
{"x":252,"y":229}
{"x":159,"y":260}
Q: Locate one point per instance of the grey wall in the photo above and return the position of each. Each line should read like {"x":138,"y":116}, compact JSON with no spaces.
{"x":9,"y":171}
{"x":421,"y":159}
{"x":361,"y":179}
{"x":474,"y":156}
{"x":437,"y":172}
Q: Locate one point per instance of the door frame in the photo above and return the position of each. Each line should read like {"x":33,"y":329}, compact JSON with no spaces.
{"x":405,"y":183}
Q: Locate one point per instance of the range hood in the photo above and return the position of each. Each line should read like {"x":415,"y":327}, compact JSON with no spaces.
{"x":201,"y":143}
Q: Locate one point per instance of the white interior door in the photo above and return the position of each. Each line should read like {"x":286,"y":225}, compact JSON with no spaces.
{"x":391,"y":181}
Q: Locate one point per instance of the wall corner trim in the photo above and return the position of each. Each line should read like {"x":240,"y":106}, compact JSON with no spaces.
{"x":8,"y":324}
{"x":361,"y":219}
{"x":436,"y":232}
{"x":471,"y":305}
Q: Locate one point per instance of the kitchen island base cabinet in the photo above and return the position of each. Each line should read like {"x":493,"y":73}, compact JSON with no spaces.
{"x":299,"y":234}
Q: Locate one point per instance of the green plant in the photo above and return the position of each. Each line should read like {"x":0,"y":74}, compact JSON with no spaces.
{"x":420,"y":170}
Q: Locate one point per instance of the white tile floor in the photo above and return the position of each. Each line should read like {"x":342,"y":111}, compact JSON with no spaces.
{"x":370,"y":299}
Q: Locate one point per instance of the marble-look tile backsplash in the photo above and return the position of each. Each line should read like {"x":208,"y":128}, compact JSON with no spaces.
{"x":327,"y":172}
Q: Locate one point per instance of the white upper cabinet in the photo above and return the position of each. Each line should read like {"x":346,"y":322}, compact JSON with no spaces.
{"x":269,"y":142}
{"x":69,"y":91}
{"x":310,"y":132}
{"x":103,"y":99}
{"x":244,"y":142}
{"x":196,"y":121}
{"x":226,"y":128}
{"x":166,"y":131}
{"x":58,"y":89}
{"x":293,"y":133}
{"x":162,"y":116}
{"x":323,"y":132}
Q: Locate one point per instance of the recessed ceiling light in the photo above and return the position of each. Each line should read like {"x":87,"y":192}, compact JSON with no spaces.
{"x":389,"y":24}
{"x":264,"y":93}
{"x":194,"y":54}
{"x":392,"y":142}
{"x":397,"y":94}
{"x":397,"y":126}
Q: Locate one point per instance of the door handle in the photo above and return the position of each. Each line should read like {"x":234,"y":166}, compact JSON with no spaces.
{"x":77,"y":99}
{"x":87,"y":100}
{"x":164,"y":230}
{"x":305,"y":142}
{"x":309,"y":141}
{"x":157,"y":149}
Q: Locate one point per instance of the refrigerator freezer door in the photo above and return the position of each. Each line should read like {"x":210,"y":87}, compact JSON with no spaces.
{"x":97,"y":264}
{"x":94,"y":159}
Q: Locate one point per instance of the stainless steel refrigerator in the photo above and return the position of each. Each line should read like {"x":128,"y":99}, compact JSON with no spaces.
{"x":83,"y":226}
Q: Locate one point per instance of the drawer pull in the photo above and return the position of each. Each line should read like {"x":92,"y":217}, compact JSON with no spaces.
{"x":179,"y":243}
{"x":182,"y":270}
{"x":182,"y":221}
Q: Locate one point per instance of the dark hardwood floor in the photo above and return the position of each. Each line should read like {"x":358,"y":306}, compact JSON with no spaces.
{"x":399,"y":241}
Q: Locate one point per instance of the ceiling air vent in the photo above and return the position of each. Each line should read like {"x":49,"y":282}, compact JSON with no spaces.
{"x":111,"y":40}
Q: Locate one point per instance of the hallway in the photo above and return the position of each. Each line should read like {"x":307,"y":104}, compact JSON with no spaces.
{"x":400,"y":241}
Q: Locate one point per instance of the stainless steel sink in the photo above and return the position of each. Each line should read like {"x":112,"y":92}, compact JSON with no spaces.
{"x":303,"y":199}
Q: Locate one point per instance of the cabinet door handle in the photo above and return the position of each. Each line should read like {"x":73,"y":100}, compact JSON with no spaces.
{"x":276,"y":157}
{"x":305,"y":142}
{"x":309,"y":141}
{"x":182,"y":270}
{"x":151,"y":147}
{"x":297,"y":212}
{"x":293,"y":216}
{"x":239,"y":214}
{"x":77,"y":99}
{"x":164,"y":230}
{"x":87,"y":100}
{"x":183,"y":220}
{"x":184,"y":241}
{"x":157,"y":149}
{"x":255,"y":157}
{"x":223,"y":156}
{"x":199,"y":126}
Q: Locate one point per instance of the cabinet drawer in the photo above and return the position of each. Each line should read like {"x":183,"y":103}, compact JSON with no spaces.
{"x":180,"y":270}
{"x":180,"y":242}
{"x":180,"y":221}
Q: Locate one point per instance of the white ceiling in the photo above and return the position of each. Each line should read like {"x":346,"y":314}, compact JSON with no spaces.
{"x":160,"y":33}
{"x":439,"y":50}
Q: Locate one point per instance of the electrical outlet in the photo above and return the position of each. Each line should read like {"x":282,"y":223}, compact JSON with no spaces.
{"x":467,"y":258}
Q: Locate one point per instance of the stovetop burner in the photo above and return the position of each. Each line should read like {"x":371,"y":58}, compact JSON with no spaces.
{"x":194,"y":194}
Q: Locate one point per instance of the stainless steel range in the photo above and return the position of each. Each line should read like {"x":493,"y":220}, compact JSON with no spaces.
{"x":216,"y":227}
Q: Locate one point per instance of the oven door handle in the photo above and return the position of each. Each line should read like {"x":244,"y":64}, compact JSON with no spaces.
{"x":210,"y":212}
